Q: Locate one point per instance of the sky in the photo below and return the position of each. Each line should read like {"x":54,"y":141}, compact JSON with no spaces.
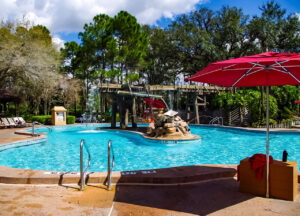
{"x":65,"y":18}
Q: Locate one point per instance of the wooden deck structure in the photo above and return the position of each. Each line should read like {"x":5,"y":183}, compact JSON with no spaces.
{"x":109,"y":87}
{"x":123,"y":103}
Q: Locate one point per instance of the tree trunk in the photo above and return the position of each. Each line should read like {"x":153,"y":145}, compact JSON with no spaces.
{"x":75,"y":104}
{"x":114,"y":112}
{"x":45,"y":107}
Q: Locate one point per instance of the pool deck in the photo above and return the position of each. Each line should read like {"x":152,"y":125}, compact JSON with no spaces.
{"x":216,"y":198}
{"x":192,"y":190}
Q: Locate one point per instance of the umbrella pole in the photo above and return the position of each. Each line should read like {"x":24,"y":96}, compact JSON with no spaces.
{"x":267,"y":147}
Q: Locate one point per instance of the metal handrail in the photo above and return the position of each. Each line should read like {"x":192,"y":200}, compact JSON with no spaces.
{"x":109,"y":170}
{"x":216,"y":119}
{"x":33,"y":123}
{"x":83,"y":173}
{"x":38,"y":123}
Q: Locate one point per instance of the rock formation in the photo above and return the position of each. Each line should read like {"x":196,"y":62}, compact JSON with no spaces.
{"x":168,"y":125}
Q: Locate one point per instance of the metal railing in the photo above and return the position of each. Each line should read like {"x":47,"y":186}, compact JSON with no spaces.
{"x":110,"y":168}
{"x":83,"y":173}
{"x":219,"y":120}
{"x":34,"y":123}
{"x":37,"y":123}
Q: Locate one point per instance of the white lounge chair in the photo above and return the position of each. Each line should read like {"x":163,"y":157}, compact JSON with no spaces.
{"x":24,"y":123}
{"x":18,"y":122}
{"x":6,"y":122}
{"x":11,"y":122}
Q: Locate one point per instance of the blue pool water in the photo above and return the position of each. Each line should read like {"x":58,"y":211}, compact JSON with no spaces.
{"x":217,"y":145}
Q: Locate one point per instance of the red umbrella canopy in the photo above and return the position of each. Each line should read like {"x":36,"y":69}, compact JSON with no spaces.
{"x":265,"y":69}
{"x":154,"y":102}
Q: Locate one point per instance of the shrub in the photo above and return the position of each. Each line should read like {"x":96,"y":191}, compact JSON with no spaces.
{"x":72,"y":112}
{"x":43,"y":119}
{"x":27,"y":117}
{"x":70,"y":119}
{"x":107,"y":117}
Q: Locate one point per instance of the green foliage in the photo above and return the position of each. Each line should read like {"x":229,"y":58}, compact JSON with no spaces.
{"x":286,"y":96}
{"x":70,"y":119}
{"x":110,"y":47}
{"x":228,"y":102}
{"x":274,"y":30}
{"x":78,"y":112}
{"x":43,"y":119}
{"x":107,"y":117}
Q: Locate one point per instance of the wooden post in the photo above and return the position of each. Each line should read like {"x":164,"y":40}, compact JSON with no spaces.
{"x":122,"y":112}
{"x":196,"y":108}
{"x":188,"y":108}
{"x":133,"y":114}
{"x":114,"y":111}
{"x":126,"y":116}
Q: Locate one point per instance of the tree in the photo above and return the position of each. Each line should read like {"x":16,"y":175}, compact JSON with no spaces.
{"x":273,"y":30}
{"x":71,"y":62}
{"x":132,"y":42}
{"x":159,"y":61}
{"x":29,"y":62}
{"x":99,"y":40}
{"x":229,"y":35}
{"x":204,"y":36}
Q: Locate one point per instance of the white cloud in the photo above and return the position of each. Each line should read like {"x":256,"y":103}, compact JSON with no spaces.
{"x":59,"y":43}
{"x":71,"y":15}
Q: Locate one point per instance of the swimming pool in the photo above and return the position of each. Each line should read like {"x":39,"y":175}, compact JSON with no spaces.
{"x":218,"y":145}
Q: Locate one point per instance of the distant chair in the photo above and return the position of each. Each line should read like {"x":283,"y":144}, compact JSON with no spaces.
{"x":23,"y":122}
{"x":11,"y":122}
{"x":18,"y":122}
{"x":7,"y":123}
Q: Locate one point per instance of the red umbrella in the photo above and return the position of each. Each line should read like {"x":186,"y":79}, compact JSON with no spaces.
{"x":155,"y":102}
{"x":265,"y":69}
{"x":297,"y":102}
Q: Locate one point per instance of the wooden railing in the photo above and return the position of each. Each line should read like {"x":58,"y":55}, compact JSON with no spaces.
{"x":184,"y":88}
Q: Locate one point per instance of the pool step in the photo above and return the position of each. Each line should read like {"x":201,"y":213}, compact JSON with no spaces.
{"x":28,"y":133}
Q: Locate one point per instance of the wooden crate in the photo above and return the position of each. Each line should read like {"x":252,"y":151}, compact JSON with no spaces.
{"x":283,"y":180}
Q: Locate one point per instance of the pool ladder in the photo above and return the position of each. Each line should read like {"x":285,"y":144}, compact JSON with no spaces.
{"x":83,"y":173}
{"x":216,"y":120}
{"x":110,"y":168}
{"x":110,"y":164}
{"x":37,"y":123}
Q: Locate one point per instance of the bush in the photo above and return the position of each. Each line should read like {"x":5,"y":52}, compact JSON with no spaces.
{"x":27,"y":117}
{"x":78,"y":112}
{"x":70,"y":119}
{"x":107,"y":117}
{"x":43,"y":119}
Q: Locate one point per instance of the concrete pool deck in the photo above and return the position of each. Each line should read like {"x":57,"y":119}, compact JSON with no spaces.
{"x":216,"y":198}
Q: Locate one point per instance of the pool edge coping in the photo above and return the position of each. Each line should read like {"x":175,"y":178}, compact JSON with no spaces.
{"x":172,"y":175}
